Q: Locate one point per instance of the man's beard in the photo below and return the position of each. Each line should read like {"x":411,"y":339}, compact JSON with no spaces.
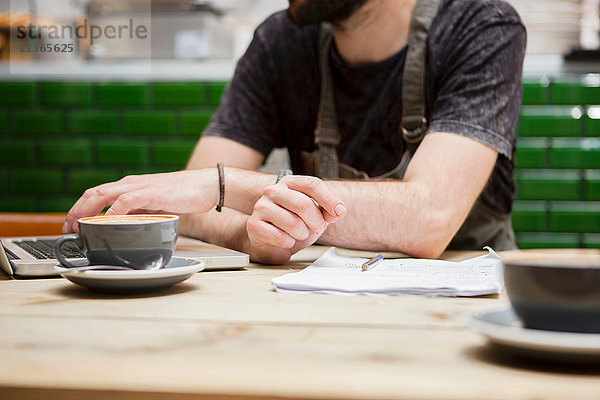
{"x":307,"y":12}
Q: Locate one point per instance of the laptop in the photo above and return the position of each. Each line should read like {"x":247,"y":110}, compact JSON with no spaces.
{"x":34,"y":256}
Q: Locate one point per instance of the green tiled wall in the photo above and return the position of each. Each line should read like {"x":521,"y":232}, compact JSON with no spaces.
{"x":169,"y":153}
{"x":3,"y":180}
{"x":194,"y":122}
{"x":174,"y":94}
{"x":543,"y":121}
{"x":161,"y":123}
{"x":37,"y":181}
{"x":3,"y":122}
{"x":75,"y":153}
{"x":78,"y":180}
{"x":65,"y":94}
{"x":549,"y":185}
{"x":575,"y":90}
{"x":17,"y":94}
{"x":558,"y":163}
{"x":110,"y":94}
{"x":37,"y":122}
{"x":58,"y":139}
{"x":592,"y":185}
{"x":121,"y":152}
{"x":93,"y":122}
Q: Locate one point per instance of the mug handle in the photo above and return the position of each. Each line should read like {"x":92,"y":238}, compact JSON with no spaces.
{"x":58,"y":244}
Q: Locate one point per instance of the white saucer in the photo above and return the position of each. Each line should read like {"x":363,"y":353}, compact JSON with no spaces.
{"x":128,"y":281}
{"x":503,"y":327}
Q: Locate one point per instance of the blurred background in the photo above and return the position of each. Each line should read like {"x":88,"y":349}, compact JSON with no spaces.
{"x":554,"y":26}
{"x":79,"y":111}
{"x":214,"y":29}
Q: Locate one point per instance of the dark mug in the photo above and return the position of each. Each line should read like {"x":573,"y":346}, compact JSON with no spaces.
{"x":134,"y":241}
{"x":553,"y":289}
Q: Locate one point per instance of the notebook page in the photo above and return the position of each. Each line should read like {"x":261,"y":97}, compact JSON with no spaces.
{"x":333,"y":273}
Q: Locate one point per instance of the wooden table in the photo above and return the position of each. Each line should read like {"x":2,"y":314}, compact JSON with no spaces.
{"x":227,"y":335}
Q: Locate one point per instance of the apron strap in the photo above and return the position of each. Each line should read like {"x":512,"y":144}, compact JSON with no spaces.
{"x":327,"y":132}
{"x":414,"y":119}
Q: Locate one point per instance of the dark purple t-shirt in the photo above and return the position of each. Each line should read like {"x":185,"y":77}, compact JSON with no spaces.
{"x":473,"y":88}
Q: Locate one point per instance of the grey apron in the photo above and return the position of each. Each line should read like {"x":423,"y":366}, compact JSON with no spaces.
{"x":483,"y":226}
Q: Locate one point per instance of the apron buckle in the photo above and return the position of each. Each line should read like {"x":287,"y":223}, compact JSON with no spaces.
{"x":415,"y":135}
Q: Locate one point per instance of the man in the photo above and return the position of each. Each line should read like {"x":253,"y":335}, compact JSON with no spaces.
{"x":458,"y":183}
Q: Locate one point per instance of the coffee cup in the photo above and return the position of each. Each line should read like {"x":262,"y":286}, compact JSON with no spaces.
{"x":134,"y":241}
{"x":553,"y":289}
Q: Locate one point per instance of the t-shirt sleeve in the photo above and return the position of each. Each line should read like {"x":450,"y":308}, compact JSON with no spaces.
{"x":248,"y":111}
{"x":478,"y":84}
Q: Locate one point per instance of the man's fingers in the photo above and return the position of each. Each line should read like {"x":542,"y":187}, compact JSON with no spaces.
{"x":180,"y":192}
{"x":269,"y":234}
{"x":130,"y":201}
{"x":282,"y":218}
{"x":300,"y":204}
{"x":328,"y":217}
{"x":90,"y":203}
{"x":318,"y":190}
{"x":97,"y":198}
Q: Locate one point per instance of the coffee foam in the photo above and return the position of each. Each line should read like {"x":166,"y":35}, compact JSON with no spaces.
{"x":126,"y":219}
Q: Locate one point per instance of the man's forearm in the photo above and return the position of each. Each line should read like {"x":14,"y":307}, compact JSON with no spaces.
{"x":382,"y":215}
{"x":421,"y":214}
{"x":227,"y":229}
{"x":243,"y":188}
{"x":392,"y":216}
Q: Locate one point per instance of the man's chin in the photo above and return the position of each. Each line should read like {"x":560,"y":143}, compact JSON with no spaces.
{"x":308,"y":12}
{"x":299,"y":15}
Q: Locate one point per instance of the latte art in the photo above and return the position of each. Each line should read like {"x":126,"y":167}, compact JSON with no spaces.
{"x":126,"y":219}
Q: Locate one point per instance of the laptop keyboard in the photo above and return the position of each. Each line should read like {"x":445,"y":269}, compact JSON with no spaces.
{"x":43,"y":249}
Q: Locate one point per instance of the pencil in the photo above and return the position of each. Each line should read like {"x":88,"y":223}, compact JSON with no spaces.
{"x":371,"y":263}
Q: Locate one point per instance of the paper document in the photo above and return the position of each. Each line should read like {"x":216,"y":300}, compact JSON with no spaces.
{"x":336,"y":274}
